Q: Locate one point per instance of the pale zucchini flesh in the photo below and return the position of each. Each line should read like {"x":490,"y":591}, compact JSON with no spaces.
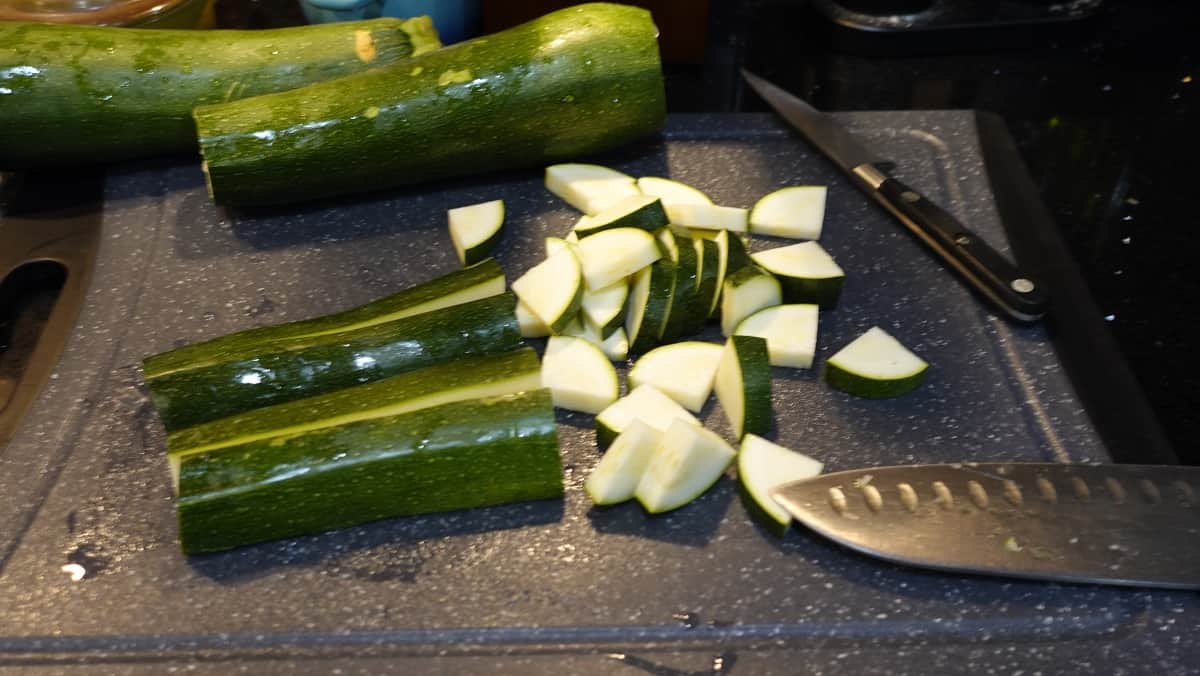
{"x":604,"y":308}
{"x":636,"y":211}
{"x":648,"y":304}
{"x":616,"y":476}
{"x":475,"y":230}
{"x":711,"y":217}
{"x":875,"y":365}
{"x":610,"y":256}
{"x":745,"y":292}
{"x":682,"y":371}
{"x":790,"y":332}
{"x":644,"y":403}
{"x":590,"y":188}
{"x":579,"y":376}
{"x":762,"y":466}
{"x":531,"y":326}
{"x":552,"y":289}
{"x":689,"y":460}
{"x":796,"y":212}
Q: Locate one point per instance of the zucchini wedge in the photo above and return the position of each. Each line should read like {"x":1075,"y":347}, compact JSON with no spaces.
{"x":579,"y":375}
{"x":762,"y":466}
{"x":644,"y":403}
{"x":790,"y":332}
{"x":306,"y":367}
{"x":531,"y":326}
{"x":806,"y":273}
{"x":481,"y":280}
{"x":682,"y":371}
{"x":797,"y":212}
{"x":530,"y":95}
{"x":610,"y":256}
{"x":604,"y":309}
{"x":636,"y":211}
{"x":648,"y":305}
{"x":743,"y":385}
{"x":471,"y":453}
{"x":553,"y":289}
{"x":475,"y":230}
{"x":745,"y":292}
{"x":466,"y":378}
{"x":875,"y":365}
{"x":688,"y":462}
{"x":685,"y":314}
{"x":731,"y":257}
{"x":589,"y":188}
{"x":616,"y":476}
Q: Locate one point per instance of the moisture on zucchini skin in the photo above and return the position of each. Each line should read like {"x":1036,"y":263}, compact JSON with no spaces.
{"x":573,"y":82}
{"x":305,"y":367}
{"x":466,"y":454}
{"x":408,"y":391}
{"x":482,"y":280}
{"x":84,"y":94}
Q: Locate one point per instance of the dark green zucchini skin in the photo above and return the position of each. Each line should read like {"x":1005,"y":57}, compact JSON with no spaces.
{"x":519,"y":370}
{"x":573,"y":82}
{"x":309,"y":366}
{"x":477,"y":281}
{"x":85,"y":94}
{"x":472,"y":453}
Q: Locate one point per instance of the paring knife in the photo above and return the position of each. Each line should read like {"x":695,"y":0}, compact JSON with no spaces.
{"x":987,"y":270}
{"x":1135,"y":525}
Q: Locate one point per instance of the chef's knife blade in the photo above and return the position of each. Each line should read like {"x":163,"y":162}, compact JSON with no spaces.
{"x":1135,"y":525}
{"x":986,"y":269}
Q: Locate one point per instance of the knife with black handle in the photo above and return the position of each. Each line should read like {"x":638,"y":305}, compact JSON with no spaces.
{"x":987,"y":270}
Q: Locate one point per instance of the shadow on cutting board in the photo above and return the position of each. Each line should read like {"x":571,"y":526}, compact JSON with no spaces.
{"x":395,"y":549}
{"x":693,"y":525}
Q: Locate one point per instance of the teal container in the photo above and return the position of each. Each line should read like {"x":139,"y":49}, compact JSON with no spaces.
{"x":455,"y":20}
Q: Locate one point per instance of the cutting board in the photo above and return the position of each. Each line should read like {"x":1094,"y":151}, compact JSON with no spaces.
{"x":90,"y":570}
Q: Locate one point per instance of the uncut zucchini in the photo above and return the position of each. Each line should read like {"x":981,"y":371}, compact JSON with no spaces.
{"x":81,"y":94}
{"x":572,"y":82}
{"x":315,"y":365}
{"x":458,"y":380}
{"x":481,"y":280}
{"x":471,"y":453}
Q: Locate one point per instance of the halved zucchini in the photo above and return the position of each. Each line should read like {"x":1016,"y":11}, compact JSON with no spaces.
{"x":689,"y":460}
{"x":636,"y":211}
{"x":797,"y":212}
{"x":875,"y":365}
{"x":743,"y":385}
{"x":806,"y":273}
{"x":616,"y":476}
{"x":553,"y":289}
{"x":589,"y":187}
{"x":644,"y":403}
{"x":682,"y":371}
{"x":762,"y":466}
{"x":475,"y":230}
{"x":790,"y":332}
{"x":610,"y":256}
{"x":578,"y":374}
{"x":745,"y":292}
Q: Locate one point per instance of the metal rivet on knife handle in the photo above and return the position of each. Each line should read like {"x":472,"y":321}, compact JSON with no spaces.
{"x":1049,"y":494}
{"x":837,"y":500}
{"x":1150,"y":491}
{"x":1022,"y":285}
{"x":978,"y":495}
{"x":942,"y":496}
{"x":872,"y":497}
{"x":908,"y":497}
{"x":1082,"y":492}
{"x":1115,"y":490}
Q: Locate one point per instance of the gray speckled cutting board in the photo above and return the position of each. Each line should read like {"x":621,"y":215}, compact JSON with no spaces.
{"x":549,"y":587}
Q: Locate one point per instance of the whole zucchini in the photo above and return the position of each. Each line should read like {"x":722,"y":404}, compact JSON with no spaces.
{"x":76,"y":94}
{"x":573,"y":82}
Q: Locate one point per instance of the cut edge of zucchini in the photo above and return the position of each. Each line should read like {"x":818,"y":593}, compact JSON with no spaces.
{"x":689,"y":460}
{"x":683,"y":371}
{"x":790,"y":331}
{"x":615,"y":478}
{"x":553,"y":289}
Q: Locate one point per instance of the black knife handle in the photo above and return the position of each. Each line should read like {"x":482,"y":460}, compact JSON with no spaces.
{"x":1017,"y":294}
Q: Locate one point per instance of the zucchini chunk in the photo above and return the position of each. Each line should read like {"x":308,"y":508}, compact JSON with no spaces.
{"x":875,"y":365}
{"x":743,"y":385}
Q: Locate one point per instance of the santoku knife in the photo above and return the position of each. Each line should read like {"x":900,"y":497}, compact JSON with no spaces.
{"x":1136,"y":525}
{"x":987,"y":270}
